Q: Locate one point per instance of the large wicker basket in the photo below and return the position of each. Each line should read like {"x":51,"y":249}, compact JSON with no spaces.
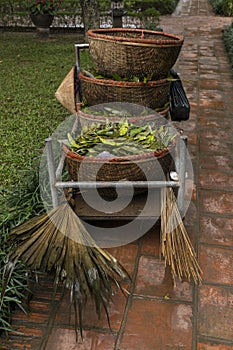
{"x":132,"y":168}
{"x":134,"y":52}
{"x":153,"y":94}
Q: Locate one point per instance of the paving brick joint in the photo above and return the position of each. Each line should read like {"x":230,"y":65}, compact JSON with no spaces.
{"x":157,"y":315}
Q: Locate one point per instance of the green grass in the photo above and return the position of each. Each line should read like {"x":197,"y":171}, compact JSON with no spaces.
{"x":30,"y":72}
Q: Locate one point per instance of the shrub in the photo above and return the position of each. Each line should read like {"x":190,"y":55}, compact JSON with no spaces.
{"x":228,"y":41}
{"x":227,"y":8}
{"x":17,"y":206}
{"x":222,"y":7}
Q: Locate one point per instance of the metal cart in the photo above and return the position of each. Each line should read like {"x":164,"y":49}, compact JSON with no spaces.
{"x":135,"y":207}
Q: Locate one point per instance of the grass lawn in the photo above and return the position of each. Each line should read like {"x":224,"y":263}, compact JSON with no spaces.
{"x":31,"y":70}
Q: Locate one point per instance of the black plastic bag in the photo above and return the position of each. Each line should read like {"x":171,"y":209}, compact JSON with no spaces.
{"x":179,"y":104}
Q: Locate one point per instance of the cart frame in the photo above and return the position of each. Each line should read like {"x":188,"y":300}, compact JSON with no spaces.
{"x":55,"y":174}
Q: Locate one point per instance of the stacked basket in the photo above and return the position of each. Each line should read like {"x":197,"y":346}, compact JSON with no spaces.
{"x":127,"y":52}
{"x":145,"y":54}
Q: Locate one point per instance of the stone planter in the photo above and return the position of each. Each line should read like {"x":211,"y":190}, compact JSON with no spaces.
{"x":42,"y":21}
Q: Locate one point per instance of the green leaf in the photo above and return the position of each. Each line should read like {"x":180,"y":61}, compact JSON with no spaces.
{"x":135,"y":79}
{"x":116,"y":77}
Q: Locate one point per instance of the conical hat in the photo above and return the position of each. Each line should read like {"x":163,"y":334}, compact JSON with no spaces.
{"x":65,"y":94}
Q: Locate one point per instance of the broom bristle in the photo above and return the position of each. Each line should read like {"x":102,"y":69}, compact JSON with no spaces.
{"x":58,"y":242}
{"x":176,"y":246}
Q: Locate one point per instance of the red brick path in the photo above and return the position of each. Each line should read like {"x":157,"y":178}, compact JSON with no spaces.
{"x":157,"y":315}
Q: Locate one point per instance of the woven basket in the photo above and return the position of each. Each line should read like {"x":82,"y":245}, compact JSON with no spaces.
{"x":134,"y":52}
{"x":65,"y":93}
{"x":86,"y":120}
{"x":154,"y":94}
{"x":132,"y":168}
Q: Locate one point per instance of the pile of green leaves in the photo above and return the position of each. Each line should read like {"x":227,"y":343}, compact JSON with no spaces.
{"x":117,"y":77}
{"x":121,"y":139}
{"x":134,"y":79}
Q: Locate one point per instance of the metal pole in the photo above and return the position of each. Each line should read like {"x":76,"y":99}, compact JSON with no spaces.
{"x":182,"y":171}
{"x":77,"y":48}
{"x":78,"y":94}
{"x":60,"y":167}
{"x":51,"y":170}
{"x":120,"y":184}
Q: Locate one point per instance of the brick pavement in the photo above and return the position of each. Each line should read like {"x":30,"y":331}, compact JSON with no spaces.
{"x":157,"y":315}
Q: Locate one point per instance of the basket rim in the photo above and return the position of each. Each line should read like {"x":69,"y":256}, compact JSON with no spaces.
{"x":131,"y":84}
{"x":100,"y":34}
{"x":119,"y":160}
{"x":83,"y":114}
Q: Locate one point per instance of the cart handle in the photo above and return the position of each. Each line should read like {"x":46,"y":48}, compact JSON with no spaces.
{"x":77,"y":48}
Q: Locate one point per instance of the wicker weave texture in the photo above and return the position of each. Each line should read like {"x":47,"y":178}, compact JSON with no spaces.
{"x":150,"y":168}
{"x":152,"y":95}
{"x":119,"y":170}
{"x":124,"y":52}
{"x":65,"y":93}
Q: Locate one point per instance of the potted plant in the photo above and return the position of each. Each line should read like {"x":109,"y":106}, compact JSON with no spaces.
{"x":42,"y":12}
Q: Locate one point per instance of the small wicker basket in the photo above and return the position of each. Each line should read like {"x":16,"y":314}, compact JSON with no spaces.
{"x":153,"y":94}
{"x":134,"y":52}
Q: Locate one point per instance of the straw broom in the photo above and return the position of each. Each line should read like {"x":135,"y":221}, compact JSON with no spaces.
{"x":176,"y":246}
{"x":57,"y":242}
